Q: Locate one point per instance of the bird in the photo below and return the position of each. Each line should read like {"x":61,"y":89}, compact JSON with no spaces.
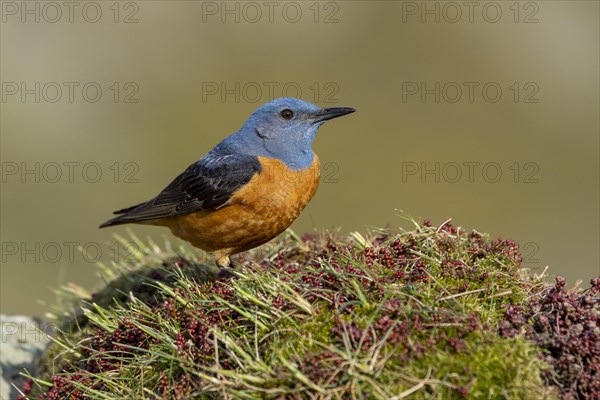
{"x":248,"y":189}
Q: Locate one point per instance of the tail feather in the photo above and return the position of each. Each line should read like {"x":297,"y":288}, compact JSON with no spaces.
{"x":113,"y":222}
{"x":122,"y":218}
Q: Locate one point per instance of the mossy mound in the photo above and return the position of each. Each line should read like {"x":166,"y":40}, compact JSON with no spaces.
{"x":427,"y":313}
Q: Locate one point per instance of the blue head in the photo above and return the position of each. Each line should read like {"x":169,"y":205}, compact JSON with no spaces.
{"x":283,"y":129}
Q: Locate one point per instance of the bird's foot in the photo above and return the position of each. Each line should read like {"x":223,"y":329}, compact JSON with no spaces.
{"x":224,"y":273}
{"x":225,"y":268}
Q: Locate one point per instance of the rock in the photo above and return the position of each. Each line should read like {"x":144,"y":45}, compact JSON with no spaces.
{"x":22,"y":341}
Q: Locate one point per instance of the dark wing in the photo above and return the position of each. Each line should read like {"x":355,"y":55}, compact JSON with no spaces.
{"x":205,"y":185}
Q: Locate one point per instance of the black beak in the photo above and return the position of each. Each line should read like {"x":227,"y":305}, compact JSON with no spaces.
{"x":330,"y":113}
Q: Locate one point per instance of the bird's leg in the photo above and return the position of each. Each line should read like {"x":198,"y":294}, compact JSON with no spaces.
{"x":224,"y":262}
{"x":225,"y":265}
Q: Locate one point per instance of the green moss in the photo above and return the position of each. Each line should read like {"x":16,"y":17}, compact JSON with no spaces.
{"x":489,"y":368}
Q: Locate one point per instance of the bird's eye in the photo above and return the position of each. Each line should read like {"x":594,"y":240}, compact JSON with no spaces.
{"x":287,"y":114}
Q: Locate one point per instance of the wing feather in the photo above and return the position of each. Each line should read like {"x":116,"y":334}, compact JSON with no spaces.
{"x":205,"y":185}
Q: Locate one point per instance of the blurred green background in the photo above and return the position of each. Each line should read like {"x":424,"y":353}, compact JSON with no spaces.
{"x":484,"y":112}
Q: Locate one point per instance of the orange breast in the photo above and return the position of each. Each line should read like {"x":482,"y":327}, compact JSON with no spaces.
{"x":255,"y":214}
